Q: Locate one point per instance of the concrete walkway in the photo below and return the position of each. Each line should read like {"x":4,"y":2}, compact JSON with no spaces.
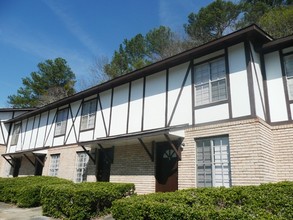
{"x":12,"y":212}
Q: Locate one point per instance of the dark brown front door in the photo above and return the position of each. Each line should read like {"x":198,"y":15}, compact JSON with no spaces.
{"x":166,"y":168}
{"x":104,"y":164}
{"x":16,"y":164}
{"x":39,"y":165}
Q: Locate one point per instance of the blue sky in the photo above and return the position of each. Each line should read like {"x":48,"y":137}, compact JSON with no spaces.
{"x":79,"y":31}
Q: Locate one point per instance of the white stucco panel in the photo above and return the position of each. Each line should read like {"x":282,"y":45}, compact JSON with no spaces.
{"x":135,"y":108}
{"x":27,"y":130}
{"x":35,"y":132}
{"x":41,"y":132}
{"x":86,"y":135}
{"x":209,"y":56}
{"x":238,"y":81}
{"x":213,"y":113}
{"x":119,"y":110}
{"x":258,"y":85}
{"x":155,"y":101}
{"x":183,"y":111}
{"x":49,"y":135}
{"x":275,"y":87}
{"x":73,"y":122}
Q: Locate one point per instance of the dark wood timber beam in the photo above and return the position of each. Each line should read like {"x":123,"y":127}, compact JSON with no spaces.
{"x":178,"y":152}
{"x":151,"y":154}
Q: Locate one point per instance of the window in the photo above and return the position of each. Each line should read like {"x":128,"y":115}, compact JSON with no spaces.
{"x":213,"y":163}
{"x":82,"y":160}
{"x":288,"y":64}
{"x":61,"y":122}
{"x":15,"y":134}
{"x":54,"y":165}
{"x":210,"y":82}
{"x":88,"y":115}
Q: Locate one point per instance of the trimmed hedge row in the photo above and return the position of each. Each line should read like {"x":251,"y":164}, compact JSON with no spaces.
{"x":62,"y":198}
{"x":82,"y":201}
{"x":267,"y":201}
{"x":25,"y":191}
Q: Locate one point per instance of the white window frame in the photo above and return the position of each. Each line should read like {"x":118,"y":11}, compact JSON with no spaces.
{"x":204,"y":82}
{"x":82,"y":160}
{"x":213,"y":162}
{"x":15,"y":134}
{"x":61,"y":122}
{"x":88,"y":115}
{"x":54,"y":164}
{"x":288,"y":66}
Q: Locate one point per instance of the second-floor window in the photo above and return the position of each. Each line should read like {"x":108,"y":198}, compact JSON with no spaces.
{"x":61,"y":122}
{"x":288,"y":64}
{"x":88,"y":115}
{"x":15,"y":134}
{"x":210,"y":82}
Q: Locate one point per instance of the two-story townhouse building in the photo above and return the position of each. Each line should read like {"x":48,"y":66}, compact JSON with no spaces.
{"x":217,"y":115}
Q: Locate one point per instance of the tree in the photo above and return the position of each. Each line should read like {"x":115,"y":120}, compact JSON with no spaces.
{"x":253,"y":10}
{"x":54,"y":80}
{"x":278,"y":22}
{"x":139,"y":51}
{"x":213,"y":21}
{"x":162,"y":42}
{"x":96,"y":74}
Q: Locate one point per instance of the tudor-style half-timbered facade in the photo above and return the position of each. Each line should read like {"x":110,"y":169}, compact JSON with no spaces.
{"x":217,"y":115}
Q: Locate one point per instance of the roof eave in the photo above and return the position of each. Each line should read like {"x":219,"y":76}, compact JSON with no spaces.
{"x":252,"y":33}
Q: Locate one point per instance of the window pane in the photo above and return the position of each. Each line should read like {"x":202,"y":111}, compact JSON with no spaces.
{"x":213,"y":162}
{"x":61,"y":122}
{"x":202,"y":94}
{"x":290,"y":88}
{"x":202,"y":74}
{"x":15,"y":134}
{"x":219,"y":91}
{"x":54,"y":166}
{"x":88,"y":115}
{"x":81,"y":166}
{"x":218,"y":70}
{"x":210,"y":82}
{"x":289,"y":65}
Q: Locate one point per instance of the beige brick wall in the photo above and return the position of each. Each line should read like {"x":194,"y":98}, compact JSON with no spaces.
{"x":283,"y":143}
{"x":26,"y":168}
{"x":4,"y":165}
{"x":133,"y":165}
{"x":67,"y":163}
{"x":251,"y":152}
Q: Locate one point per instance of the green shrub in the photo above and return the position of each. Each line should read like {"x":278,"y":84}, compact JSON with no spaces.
{"x":267,"y":201}
{"x":82,"y":201}
{"x":25,"y":191}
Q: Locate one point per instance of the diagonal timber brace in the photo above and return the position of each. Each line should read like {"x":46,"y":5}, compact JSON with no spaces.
{"x":151,"y":154}
{"x":8,"y":161}
{"x":87,"y":152}
{"x":29,"y":159}
{"x":178,"y":152}
{"x":39,"y":160}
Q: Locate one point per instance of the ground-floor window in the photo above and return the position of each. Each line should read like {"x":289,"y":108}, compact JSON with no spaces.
{"x":54,"y":164}
{"x":82,"y":160}
{"x":213,"y":162}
